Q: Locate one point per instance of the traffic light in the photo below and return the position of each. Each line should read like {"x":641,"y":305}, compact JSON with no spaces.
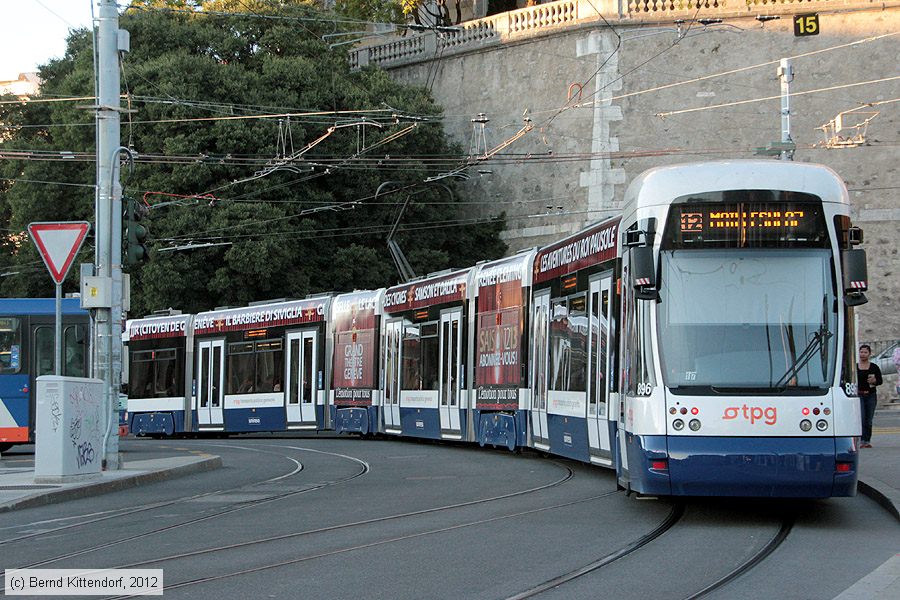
{"x":135,"y":233}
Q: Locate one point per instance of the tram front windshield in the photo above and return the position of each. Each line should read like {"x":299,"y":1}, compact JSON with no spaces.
{"x":747,"y":297}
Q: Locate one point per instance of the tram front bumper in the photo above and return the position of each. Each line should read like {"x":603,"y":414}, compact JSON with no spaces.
{"x":762,"y":467}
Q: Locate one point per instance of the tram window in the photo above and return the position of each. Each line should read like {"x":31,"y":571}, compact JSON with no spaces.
{"x":166,"y":373}
{"x":74,"y":350}
{"x":430,"y":356}
{"x":269,"y":366}
{"x":10,"y":345}
{"x":241,"y":368}
{"x":596,"y":383}
{"x":639,"y":371}
{"x":420,"y":357}
{"x":412,"y":368}
{"x":140,"y":374}
{"x":578,"y":339}
{"x":568,"y":345}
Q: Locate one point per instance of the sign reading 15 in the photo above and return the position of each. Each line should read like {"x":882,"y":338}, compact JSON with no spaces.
{"x":806,"y":25}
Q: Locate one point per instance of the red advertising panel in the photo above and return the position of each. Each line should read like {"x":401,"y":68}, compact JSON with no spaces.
{"x":499,"y":330}
{"x":299,"y":312}
{"x":589,"y":247}
{"x":355,"y":357}
{"x":428,"y":292}
{"x":158,"y":328}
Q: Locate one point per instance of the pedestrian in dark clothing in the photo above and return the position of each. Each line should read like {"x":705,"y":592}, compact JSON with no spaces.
{"x":868,"y":376}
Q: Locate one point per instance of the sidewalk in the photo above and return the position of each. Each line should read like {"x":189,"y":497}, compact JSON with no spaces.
{"x":879,"y":466}
{"x":18,"y":490}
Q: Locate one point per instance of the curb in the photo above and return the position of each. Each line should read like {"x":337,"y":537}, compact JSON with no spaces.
{"x":882,"y":493}
{"x":200,"y":465}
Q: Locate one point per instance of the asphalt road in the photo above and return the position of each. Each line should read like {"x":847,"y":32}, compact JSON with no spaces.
{"x":328,"y":517}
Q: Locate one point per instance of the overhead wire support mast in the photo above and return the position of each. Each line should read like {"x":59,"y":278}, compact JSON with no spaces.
{"x":786,"y":74}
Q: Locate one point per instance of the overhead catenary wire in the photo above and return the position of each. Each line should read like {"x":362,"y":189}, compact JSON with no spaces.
{"x":792,"y":94}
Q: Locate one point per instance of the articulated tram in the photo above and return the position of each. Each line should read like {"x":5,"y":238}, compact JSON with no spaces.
{"x":701,"y":343}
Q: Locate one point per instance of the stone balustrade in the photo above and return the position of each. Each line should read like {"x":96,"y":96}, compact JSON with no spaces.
{"x":544,"y":19}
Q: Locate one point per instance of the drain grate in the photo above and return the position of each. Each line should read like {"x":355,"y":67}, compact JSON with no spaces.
{"x":10,"y":488}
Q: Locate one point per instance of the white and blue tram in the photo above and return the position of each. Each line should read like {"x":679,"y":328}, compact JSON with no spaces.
{"x":700,"y":344}
{"x":736,"y":348}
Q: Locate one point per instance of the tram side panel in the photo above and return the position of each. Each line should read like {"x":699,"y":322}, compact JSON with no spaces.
{"x":573,"y":329}
{"x":159,"y":375}
{"x":262,"y":368}
{"x":500,"y":326}
{"x":355,"y":394}
{"x":425,"y":350}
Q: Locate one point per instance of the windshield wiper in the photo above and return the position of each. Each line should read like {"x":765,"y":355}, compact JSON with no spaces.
{"x":815,"y":345}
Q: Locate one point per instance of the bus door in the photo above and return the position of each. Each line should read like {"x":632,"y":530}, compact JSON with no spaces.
{"x":451,"y":367}
{"x":598,"y":382}
{"x":540,"y":323}
{"x":392,"y":362}
{"x":210,"y":384}
{"x":300,"y":382}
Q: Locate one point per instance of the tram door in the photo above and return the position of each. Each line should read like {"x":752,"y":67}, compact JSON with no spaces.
{"x":539,"y":366}
{"x":210,"y":383}
{"x":598,"y":383}
{"x":451,"y":341}
{"x":392,"y":362}
{"x":300,"y":381}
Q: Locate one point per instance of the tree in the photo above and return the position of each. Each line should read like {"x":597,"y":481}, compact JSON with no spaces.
{"x":246,"y":231}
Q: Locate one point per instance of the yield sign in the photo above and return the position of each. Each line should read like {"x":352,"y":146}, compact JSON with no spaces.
{"x":58,"y":244}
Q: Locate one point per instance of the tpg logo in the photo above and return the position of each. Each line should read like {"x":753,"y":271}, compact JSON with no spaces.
{"x":752,"y":414}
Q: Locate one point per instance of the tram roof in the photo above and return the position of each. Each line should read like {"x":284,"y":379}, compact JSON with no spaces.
{"x":661,"y":185}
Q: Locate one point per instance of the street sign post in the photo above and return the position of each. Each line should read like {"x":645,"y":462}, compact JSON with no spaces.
{"x":58,"y":243}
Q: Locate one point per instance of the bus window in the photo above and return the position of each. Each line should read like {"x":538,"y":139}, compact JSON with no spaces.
{"x":43,"y":351}
{"x":10,"y":345}
{"x":74,"y":351}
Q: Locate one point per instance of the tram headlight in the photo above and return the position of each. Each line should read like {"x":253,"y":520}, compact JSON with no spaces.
{"x":821,"y":424}
{"x":677,"y":424}
{"x":805,"y":425}
{"x":694,"y":424}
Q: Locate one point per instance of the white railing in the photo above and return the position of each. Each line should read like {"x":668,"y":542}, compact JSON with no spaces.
{"x":546,"y":18}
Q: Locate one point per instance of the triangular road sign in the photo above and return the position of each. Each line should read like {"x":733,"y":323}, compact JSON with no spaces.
{"x":58,"y":244}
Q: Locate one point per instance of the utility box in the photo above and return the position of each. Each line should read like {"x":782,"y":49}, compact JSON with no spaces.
{"x":69,"y":429}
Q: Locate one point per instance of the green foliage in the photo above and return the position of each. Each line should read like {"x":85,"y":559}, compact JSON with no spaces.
{"x":264,"y":237}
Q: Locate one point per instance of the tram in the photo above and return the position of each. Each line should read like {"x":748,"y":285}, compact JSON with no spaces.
{"x":27,"y":333}
{"x":700,"y":343}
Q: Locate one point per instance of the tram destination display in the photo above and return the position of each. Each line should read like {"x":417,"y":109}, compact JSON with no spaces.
{"x":750,"y":223}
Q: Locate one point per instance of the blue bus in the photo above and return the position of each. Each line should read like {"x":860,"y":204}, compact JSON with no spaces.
{"x":27,"y":351}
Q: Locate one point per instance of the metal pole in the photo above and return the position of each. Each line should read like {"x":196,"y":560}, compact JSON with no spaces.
{"x":108,"y":320}
{"x":58,"y":337}
{"x":786,"y":74}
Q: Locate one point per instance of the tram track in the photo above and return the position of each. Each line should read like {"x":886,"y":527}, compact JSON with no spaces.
{"x":124,"y":512}
{"x":346,"y":549}
{"x":234,"y":508}
{"x":777,"y":540}
{"x":569,"y":473}
{"x":674,"y":516}
{"x":671,"y":519}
